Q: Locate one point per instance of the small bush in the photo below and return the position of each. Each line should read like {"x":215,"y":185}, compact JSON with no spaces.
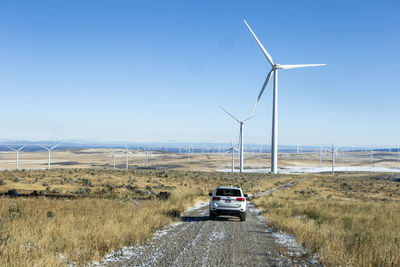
{"x":13,"y":193}
{"x":2,"y":182}
{"x":83,"y":191}
{"x":56,"y":191}
{"x":15,"y":211}
{"x":86,"y":182}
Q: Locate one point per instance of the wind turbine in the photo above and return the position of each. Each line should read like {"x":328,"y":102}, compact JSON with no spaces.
{"x":188,"y":154}
{"x":113,"y":155}
{"x":49,"y":150}
{"x":320,"y":156}
{"x":371,"y":156}
{"x":127,"y":157}
{"x":240,"y":135}
{"x":333,"y":151}
{"x":274,"y":70}
{"x":233,"y":149}
{"x":17,"y":154}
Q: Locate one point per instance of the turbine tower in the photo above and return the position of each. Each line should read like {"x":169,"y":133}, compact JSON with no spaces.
{"x":127,"y":157}
{"x":334,"y":152}
{"x":240,"y":135}
{"x":49,"y":150}
{"x":17,"y":154}
{"x":113,"y":155}
{"x":233,"y":149}
{"x":274,"y":70}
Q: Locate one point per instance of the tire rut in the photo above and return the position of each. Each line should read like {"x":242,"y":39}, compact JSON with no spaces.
{"x":199,"y":241}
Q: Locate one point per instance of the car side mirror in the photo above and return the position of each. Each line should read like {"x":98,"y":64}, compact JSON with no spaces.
{"x":210,"y":194}
{"x":245,"y":195}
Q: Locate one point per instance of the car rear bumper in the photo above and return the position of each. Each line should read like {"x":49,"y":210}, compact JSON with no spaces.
{"x":232,"y":212}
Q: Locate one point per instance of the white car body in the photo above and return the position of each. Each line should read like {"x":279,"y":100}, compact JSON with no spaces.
{"x":228,"y":201}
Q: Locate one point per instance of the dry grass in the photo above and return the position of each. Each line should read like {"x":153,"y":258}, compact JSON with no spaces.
{"x":51,"y":232}
{"x":347,"y":220}
{"x":119,"y":209}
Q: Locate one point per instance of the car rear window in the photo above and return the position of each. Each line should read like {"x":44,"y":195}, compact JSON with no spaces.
{"x":228,"y":192}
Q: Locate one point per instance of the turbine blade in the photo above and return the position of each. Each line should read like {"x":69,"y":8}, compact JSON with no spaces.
{"x":248,"y":118}
{"x":22,"y":147}
{"x":262,"y":91}
{"x":229,"y":114}
{"x":55,"y":146}
{"x":44,"y":147}
{"x":285,"y":67}
{"x":11,"y":148}
{"x":260,"y":44}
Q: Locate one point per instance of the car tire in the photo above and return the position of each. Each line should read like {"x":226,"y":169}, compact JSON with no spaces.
{"x":243,"y":217}
{"x":212,"y":215}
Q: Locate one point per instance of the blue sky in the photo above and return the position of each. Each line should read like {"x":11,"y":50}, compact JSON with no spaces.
{"x":159,"y":70}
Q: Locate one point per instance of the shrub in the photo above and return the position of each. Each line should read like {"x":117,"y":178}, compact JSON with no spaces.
{"x":83,"y":191}
{"x":15,"y":211}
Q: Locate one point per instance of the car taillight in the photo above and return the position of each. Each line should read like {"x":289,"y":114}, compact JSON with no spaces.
{"x":216,"y":198}
{"x":240,"y":199}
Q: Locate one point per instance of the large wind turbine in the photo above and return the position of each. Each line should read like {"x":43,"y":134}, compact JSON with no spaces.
{"x":240,"y":135}
{"x":274,"y":70}
{"x":17,"y":152}
{"x":49,"y":150}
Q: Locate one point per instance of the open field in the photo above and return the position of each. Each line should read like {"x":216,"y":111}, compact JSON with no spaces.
{"x":80,"y":214}
{"x":349,"y":219}
{"x":98,"y":210}
{"x":102,"y":158}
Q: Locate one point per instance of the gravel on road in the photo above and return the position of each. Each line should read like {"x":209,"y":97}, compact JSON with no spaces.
{"x":225,"y":241}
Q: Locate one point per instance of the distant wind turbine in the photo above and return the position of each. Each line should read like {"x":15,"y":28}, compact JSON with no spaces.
{"x":274,"y":70}
{"x":240,"y":135}
{"x":127,"y":157}
{"x":233,"y":149}
{"x":333,"y":152}
{"x":113,"y":155}
{"x":320,"y":156}
{"x":188,"y":154}
{"x":49,"y":151}
{"x":17,"y":154}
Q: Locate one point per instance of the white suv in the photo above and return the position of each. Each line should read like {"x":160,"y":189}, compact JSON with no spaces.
{"x":228,"y":201}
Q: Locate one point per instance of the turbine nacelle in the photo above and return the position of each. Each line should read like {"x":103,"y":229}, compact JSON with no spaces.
{"x":276,"y":67}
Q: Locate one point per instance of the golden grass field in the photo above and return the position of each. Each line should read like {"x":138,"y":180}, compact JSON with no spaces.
{"x":102,"y":210}
{"x":349,"y":219}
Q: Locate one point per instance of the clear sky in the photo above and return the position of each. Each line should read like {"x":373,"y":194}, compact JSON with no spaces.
{"x":159,"y":70}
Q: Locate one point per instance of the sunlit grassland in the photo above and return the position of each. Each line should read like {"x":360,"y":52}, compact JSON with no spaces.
{"x":348,"y":219}
{"x":99,"y":210}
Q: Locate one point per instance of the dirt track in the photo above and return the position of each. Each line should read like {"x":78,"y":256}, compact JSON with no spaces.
{"x":199,"y":241}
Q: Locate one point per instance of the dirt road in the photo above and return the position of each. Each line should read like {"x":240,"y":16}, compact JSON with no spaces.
{"x":225,"y":241}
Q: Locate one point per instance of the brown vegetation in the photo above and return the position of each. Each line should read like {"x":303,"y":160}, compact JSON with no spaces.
{"x":102,"y":210}
{"x":349,"y":219}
